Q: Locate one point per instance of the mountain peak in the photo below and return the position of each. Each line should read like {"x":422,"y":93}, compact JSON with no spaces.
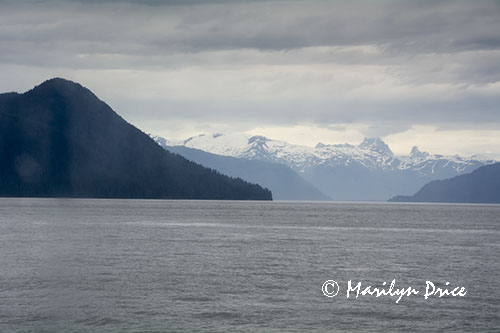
{"x":416,"y":153}
{"x":320,"y":145}
{"x":58,"y":82}
{"x":257,"y":139}
{"x":62,"y":87}
{"x":375,"y":144}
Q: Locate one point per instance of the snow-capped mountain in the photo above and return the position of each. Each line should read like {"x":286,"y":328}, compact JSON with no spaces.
{"x":372,"y":153}
{"x":368,"y":171}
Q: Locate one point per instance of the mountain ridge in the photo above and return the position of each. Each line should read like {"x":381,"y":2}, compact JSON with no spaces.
{"x":240,"y":145}
{"x":368,"y":171}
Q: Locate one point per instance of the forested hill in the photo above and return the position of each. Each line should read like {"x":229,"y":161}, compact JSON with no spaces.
{"x":60,"y":140}
{"x":479,"y":186}
{"x":284,"y":182}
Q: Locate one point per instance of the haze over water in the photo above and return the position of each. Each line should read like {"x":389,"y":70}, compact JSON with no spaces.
{"x":160,"y":266}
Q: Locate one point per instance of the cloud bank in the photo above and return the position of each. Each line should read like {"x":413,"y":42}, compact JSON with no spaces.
{"x":349,"y":68}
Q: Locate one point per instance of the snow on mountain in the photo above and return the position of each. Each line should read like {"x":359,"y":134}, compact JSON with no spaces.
{"x":368,"y":171}
{"x":372,"y":153}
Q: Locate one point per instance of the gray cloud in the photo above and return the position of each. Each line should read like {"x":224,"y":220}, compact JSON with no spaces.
{"x":388,"y":64}
{"x":132,"y":28}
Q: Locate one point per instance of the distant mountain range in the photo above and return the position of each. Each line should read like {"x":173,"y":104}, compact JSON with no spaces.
{"x":60,"y":140}
{"x":368,"y":171}
{"x":480,"y":186}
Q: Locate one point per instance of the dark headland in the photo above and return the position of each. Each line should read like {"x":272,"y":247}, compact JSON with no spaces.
{"x":60,"y":140}
{"x":479,"y":186}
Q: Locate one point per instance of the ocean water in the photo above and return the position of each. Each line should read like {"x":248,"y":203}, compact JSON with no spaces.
{"x":214,"y":266}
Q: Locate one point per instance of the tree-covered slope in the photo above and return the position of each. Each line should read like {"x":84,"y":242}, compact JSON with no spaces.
{"x":479,"y":186}
{"x":60,"y":140}
{"x":284,"y":182}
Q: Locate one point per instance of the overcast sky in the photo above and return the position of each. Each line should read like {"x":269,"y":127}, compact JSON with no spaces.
{"x":423,"y":73}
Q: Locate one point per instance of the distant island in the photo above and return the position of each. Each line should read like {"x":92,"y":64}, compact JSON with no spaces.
{"x":479,"y":186}
{"x":60,"y":140}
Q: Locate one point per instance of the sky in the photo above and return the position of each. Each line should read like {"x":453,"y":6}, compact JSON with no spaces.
{"x":423,"y":73}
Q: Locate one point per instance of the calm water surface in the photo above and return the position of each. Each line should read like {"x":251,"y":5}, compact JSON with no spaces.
{"x":170,"y":266}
